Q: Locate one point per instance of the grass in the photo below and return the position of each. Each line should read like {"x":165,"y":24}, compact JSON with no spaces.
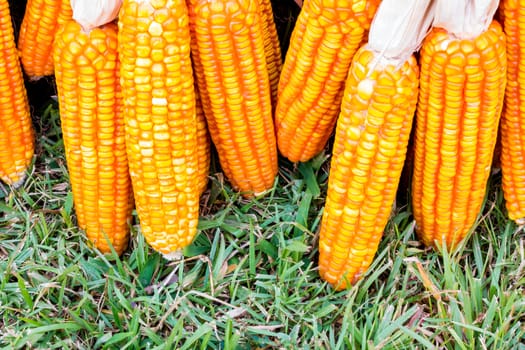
{"x":249,"y":280}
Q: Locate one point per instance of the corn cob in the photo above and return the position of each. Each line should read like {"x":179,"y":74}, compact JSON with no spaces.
{"x":35,"y":42}
{"x":512,"y":132}
{"x":203,"y":145}
{"x":272,"y":47}
{"x":323,"y":42}
{"x":90,"y":103}
{"x":230,"y":68}
{"x":463,"y":64}
{"x":16,"y":130}
{"x":372,"y":134}
{"x":160,"y":119}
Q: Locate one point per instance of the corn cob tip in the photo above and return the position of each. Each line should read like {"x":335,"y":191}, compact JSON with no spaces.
{"x":174,"y":256}
{"x":520,"y":222}
{"x":257,"y":194}
{"x":20,"y":179}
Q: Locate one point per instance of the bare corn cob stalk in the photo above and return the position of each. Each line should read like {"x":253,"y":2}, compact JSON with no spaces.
{"x":16,"y":130}
{"x":463,"y":66}
{"x":323,"y":42}
{"x":512,"y":132}
{"x":94,"y":13}
{"x":272,"y":47}
{"x":35,"y":42}
{"x":372,"y":136}
{"x":90,"y":102}
{"x":203,"y":145}
{"x":230,"y":67}
{"x":159,"y":114}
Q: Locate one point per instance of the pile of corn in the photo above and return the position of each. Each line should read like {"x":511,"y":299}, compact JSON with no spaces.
{"x":142,"y":95}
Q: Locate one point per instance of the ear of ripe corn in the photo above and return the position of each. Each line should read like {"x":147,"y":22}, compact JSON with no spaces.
{"x":461,"y":94}
{"x":372,"y":134}
{"x":90,"y":103}
{"x":203,"y":138}
{"x":230,"y":68}
{"x":159,"y":114}
{"x":512,"y":132}
{"x":272,"y":47}
{"x":16,"y":130}
{"x":323,"y":42}
{"x":203,"y":145}
{"x":202,"y":104}
{"x":35,"y":42}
